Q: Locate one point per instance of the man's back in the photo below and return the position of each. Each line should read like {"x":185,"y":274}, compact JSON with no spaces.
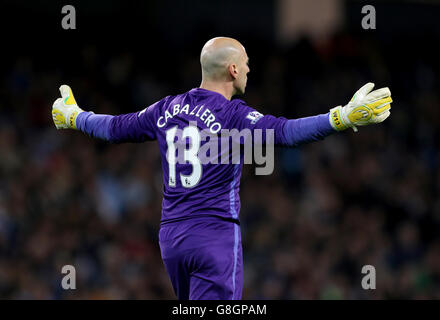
{"x":195,"y":182}
{"x":190,"y":188}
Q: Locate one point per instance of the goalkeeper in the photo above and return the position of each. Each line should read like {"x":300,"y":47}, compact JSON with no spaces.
{"x":200,"y":237}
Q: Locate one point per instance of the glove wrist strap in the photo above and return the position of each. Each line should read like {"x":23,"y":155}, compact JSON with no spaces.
{"x":71,"y":118}
{"x":336,"y":119}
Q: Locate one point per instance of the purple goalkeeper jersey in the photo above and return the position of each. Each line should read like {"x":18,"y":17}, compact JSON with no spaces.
{"x":192,"y":188}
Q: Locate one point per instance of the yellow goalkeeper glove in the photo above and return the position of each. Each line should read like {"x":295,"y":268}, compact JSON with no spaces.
{"x":65,"y":110}
{"x":366,"y":107}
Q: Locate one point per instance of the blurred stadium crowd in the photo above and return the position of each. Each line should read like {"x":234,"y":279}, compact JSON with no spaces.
{"x":329,"y":208}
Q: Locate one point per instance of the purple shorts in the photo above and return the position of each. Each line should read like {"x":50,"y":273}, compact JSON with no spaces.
{"x":203,"y":258}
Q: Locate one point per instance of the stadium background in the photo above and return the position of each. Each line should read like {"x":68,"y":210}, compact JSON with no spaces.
{"x":328,"y":209}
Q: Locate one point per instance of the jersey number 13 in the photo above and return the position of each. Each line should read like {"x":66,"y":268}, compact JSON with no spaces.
{"x":189,"y":155}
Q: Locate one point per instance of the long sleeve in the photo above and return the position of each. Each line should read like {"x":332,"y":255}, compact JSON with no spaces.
{"x":305,"y":130}
{"x":94,"y":125}
{"x":130,"y":127}
{"x":288,"y":132}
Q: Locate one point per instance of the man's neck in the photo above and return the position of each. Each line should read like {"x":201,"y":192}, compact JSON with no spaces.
{"x":225,"y":88}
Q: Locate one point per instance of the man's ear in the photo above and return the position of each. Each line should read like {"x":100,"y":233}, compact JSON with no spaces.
{"x":233,"y":70}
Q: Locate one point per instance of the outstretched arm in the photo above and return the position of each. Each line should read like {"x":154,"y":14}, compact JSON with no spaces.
{"x":365,"y":108}
{"x":131,"y":127}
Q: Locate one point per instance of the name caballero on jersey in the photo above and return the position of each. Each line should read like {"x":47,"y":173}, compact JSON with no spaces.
{"x":201,"y":112}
